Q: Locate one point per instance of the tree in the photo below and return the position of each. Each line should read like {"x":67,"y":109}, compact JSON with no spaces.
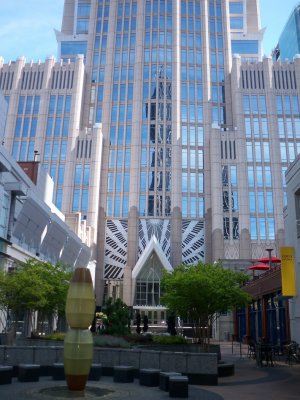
{"x":117,"y":317}
{"x":35,"y":286}
{"x":201,"y":293}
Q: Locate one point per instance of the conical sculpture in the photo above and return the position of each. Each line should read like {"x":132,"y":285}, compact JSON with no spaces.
{"x":78,"y":344}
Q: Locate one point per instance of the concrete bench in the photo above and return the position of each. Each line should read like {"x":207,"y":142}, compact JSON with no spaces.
{"x":149,"y":377}
{"x":58,"y":372}
{"x":225,"y":369}
{"x":178,"y":386}
{"x":164,"y":379}
{"x":123,"y":373}
{"x":28,"y":372}
{"x":95,"y":372}
{"x":6,"y":374}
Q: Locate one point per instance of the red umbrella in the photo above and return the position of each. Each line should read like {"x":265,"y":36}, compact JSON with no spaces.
{"x":265,"y":260}
{"x":259,"y":267}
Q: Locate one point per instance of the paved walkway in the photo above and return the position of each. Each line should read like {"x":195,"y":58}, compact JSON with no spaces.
{"x":281,"y":382}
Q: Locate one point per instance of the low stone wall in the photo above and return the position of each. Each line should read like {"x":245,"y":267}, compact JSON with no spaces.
{"x":201,"y":368}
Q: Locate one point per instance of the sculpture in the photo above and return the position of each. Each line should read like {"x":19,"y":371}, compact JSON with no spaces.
{"x":78,"y":344}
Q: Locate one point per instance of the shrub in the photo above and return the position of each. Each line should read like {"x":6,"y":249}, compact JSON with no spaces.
{"x":54,"y":336}
{"x":168,"y":340}
{"x":110,"y":341}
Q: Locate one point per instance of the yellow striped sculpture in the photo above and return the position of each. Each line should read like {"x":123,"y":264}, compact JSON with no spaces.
{"x":78,"y":344}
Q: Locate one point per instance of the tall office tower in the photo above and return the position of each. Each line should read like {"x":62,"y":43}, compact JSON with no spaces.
{"x":289,"y":41}
{"x":172,"y":173}
{"x":157,"y":78}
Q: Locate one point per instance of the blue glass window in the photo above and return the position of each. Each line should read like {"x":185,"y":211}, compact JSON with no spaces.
{"x":28,"y":105}
{"x":52,"y":104}
{"x":86,"y":175}
{"x":83,"y":10}
{"x":18,"y":127}
{"x":78,"y":171}
{"x":82,"y":25}
{"x":21,"y":104}
{"x":236,"y":7}
{"x":84,"y":199}
{"x":36,"y":105}
{"x":58,"y":199}
{"x":63,"y":150}
{"x":236,"y":23}
{"x":76,"y":195}
{"x":244,"y":46}
{"x":33,"y":127}
{"x":60,"y":176}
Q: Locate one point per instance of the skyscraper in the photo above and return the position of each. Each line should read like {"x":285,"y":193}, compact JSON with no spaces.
{"x":289,"y":41}
{"x":190,"y":165}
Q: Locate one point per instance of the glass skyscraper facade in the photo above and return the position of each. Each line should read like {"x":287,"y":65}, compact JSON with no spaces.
{"x":289,"y":41}
{"x":169,"y":135}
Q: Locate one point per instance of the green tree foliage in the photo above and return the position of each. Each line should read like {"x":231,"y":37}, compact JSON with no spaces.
{"x":200,"y":293}
{"x":117,"y":317}
{"x":35,"y":286}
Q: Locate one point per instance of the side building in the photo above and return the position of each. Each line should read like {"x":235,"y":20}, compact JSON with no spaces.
{"x":289,"y":41}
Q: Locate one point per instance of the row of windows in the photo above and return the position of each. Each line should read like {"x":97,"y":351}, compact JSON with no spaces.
{"x":192,"y":158}
{"x":119,"y":158}
{"x":289,"y":127}
{"x":259,"y":176}
{"x":59,"y":104}
{"x":156,"y":157}
{"x":257,"y":151}
{"x":256,"y":127}
{"x":159,"y":7}
{"x":287,"y":105}
{"x":117,"y":206}
{"x":25,"y":126}
{"x":82,"y":175}
{"x":155,"y":181}
{"x":122,"y":41}
{"x":118,"y":182}
{"x":23,"y":150}
{"x":262,"y":228}
{"x":55,"y":150}
{"x":288,"y":151}
{"x":28,"y":105}
{"x":80,"y":200}
{"x":120,"y":135}
{"x":121,"y":113}
{"x":191,"y":113}
{"x":157,"y":23}
{"x":255,"y":104}
{"x":126,"y":10}
{"x":230,"y":201}
{"x":155,"y":38}
{"x":121,"y":73}
{"x":155,"y":205}
{"x":57,"y":127}
{"x":261,"y":202}
{"x":56,"y":172}
{"x":192,"y":207}
{"x":192,"y":182}
{"x":231,"y":228}
{"x":192,"y":135}
{"x":158,"y":133}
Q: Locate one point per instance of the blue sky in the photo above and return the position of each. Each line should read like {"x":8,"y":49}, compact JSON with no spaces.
{"x":27,"y":26}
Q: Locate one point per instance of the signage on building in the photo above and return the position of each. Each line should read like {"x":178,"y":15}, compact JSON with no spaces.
{"x":288,"y":271}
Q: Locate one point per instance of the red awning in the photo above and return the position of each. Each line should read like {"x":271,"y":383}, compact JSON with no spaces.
{"x":259,"y":267}
{"x":266,"y":260}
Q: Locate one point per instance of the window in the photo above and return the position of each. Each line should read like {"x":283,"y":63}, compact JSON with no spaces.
{"x":236,"y":23}
{"x":236,"y":7}
{"x":244,"y":46}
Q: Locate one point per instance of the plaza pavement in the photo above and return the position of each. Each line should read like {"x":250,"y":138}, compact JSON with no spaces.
{"x":280,"y":382}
